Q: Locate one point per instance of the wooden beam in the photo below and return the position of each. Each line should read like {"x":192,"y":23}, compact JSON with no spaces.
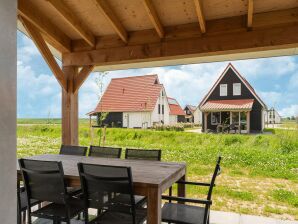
{"x":82,"y":76}
{"x":200,"y":15}
{"x":173,"y":49}
{"x":51,"y":33}
{"x":70,"y":116}
{"x":104,"y":7}
{"x":45,"y":52}
{"x":73,"y":21}
{"x":250,"y":13}
{"x":154,"y":17}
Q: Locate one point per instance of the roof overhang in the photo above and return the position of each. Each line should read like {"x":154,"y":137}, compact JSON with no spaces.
{"x":227,"y":105}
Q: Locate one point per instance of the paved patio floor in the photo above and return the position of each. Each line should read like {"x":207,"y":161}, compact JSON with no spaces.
{"x":218,"y":217}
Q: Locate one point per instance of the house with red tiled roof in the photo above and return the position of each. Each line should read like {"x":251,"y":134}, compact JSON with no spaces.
{"x":177,"y":114}
{"x":134,"y":102}
{"x":232,"y":105}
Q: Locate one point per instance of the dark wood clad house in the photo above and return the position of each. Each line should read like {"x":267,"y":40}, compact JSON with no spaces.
{"x":189,"y":113}
{"x":232,"y":103}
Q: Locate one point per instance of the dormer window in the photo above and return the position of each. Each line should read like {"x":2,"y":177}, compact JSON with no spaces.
{"x":236,"y":89}
{"x":223,"y":90}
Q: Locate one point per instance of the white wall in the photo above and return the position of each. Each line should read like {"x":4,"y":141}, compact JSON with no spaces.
{"x":136,"y":119}
{"x":198,"y":116}
{"x":173,"y":119}
{"x":8,"y":72}
{"x":162,"y":100}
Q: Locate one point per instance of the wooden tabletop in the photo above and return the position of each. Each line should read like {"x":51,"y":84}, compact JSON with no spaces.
{"x":153,"y":173}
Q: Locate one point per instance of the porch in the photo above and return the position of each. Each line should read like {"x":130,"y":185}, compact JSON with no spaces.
{"x":230,"y":116}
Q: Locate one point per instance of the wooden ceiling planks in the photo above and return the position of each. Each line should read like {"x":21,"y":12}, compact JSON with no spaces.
{"x":73,"y":21}
{"x":95,"y":24}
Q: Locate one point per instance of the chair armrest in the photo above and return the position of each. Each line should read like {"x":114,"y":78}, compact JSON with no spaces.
{"x":191,"y":200}
{"x":194,"y":183}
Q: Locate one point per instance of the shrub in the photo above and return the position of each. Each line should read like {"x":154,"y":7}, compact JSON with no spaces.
{"x":162,"y":127}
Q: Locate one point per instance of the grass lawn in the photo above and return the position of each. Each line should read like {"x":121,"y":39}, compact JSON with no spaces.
{"x":260,"y":172}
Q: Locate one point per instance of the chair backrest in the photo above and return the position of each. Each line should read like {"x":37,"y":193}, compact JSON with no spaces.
{"x":73,"y":150}
{"x":98,"y":181}
{"x":43,"y":180}
{"x":106,"y":152}
{"x":143,"y":154}
{"x":217,"y":172}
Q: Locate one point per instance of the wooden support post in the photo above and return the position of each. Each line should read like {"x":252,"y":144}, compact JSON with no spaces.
{"x":248,"y":122}
{"x":70,"y":118}
{"x":205,"y":121}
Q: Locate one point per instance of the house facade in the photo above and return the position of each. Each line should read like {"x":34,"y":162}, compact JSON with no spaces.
{"x":177,"y":115}
{"x":232,"y":103}
{"x":272,"y":116}
{"x":189,"y":113}
{"x":197,"y":116}
{"x":134,"y":102}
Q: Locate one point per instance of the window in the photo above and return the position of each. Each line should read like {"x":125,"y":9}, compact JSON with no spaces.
{"x":223,"y":90}
{"x":163,"y":109}
{"x":236,"y":89}
{"x":158,"y":108}
{"x":215,"y":118}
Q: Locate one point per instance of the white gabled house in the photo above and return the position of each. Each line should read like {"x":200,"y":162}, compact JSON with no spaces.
{"x":271,"y":116}
{"x":134,"y":102}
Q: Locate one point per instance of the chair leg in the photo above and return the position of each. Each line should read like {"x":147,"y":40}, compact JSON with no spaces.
{"x":24,"y":216}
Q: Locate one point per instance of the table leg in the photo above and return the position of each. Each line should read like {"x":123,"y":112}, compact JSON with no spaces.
{"x":181,"y":189}
{"x":154,"y":206}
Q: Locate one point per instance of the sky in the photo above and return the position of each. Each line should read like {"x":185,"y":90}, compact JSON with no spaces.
{"x":39,"y":95}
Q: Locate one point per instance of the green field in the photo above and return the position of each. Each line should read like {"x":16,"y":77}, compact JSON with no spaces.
{"x":260,"y":172}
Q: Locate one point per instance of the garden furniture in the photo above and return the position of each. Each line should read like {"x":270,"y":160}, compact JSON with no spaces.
{"x":150,"y":178}
{"x":106,"y":152}
{"x":190,"y":214}
{"x":73,"y":150}
{"x":44,"y":181}
{"x":100,"y":180}
{"x":143,"y":154}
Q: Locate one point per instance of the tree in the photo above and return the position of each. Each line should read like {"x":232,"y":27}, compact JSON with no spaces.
{"x":99,"y":80}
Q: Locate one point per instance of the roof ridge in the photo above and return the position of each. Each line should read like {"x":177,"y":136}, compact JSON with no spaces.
{"x":135,"y":76}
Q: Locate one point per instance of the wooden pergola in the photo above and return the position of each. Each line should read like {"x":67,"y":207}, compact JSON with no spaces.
{"x":112,"y":34}
{"x":116,"y":34}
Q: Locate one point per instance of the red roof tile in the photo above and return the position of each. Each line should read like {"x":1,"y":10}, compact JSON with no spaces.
{"x":175,"y":108}
{"x":130,"y":94}
{"x":224,"y":105}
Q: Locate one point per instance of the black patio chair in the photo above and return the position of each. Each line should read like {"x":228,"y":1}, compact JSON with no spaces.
{"x":143,"y":154}
{"x":44,"y":181}
{"x":97,"y":182}
{"x":73,"y":150}
{"x":105,"y":152}
{"x":22,"y":204}
{"x":190,"y":214}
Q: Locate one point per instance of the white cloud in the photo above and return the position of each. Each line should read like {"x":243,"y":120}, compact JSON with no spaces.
{"x":289,"y":111}
{"x":27,"y":51}
{"x":39,"y":95}
{"x":271,"y":98}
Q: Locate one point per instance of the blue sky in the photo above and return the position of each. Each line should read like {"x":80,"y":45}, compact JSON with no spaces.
{"x":39,"y":94}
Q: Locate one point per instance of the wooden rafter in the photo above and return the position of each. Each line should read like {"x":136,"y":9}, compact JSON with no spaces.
{"x":200,"y":14}
{"x":50,"y":32}
{"x":73,"y":21}
{"x":250,"y":13}
{"x":154,"y":17}
{"x":82,"y":76}
{"x":45,"y":51}
{"x":104,"y":7}
{"x":193,"y":46}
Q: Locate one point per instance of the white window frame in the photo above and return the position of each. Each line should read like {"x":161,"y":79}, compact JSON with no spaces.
{"x":221,"y":93}
{"x":235,"y":86}
{"x":215,"y":123}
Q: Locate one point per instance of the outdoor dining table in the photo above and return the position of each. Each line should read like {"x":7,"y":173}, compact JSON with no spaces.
{"x":150,"y":178}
